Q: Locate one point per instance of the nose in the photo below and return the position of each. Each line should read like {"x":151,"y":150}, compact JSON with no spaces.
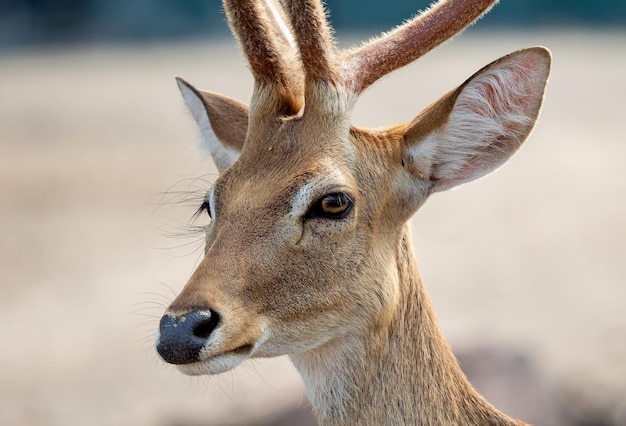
{"x":182,"y":337}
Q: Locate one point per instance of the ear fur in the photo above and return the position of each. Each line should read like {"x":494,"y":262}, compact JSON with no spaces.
{"x":476,"y":128}
{"x":223,"y":123}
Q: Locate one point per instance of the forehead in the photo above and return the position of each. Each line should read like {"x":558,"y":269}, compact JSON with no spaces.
{"x":295,"y":183}
{"x":276,"y":179}
{"x":286,"y":155}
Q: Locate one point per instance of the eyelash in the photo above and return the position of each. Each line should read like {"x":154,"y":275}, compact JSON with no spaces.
{"x":205,"y":206}
{"x":315,"y":211}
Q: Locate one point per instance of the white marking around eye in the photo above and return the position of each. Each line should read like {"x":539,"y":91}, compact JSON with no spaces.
{"x":211,"y":196}
{"x":307,"y":194}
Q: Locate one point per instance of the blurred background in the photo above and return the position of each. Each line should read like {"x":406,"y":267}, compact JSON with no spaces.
{"x":24,"y":22}
{"x":100,"y":175}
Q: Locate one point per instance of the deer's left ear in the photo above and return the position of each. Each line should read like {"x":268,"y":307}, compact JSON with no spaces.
{"x":474,"y":129}
{"x":223,"y":123}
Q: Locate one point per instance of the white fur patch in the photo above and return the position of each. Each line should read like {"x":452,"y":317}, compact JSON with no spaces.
{"x":223,"y":156}
{"x":211,"y":199}
{"x":215,"y":365}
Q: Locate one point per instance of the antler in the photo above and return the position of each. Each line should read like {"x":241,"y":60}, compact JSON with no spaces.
{"x":314,"y":38}
{"x":406,"y":43}
{"x":266,"y":39}
{"x":277,"y":58}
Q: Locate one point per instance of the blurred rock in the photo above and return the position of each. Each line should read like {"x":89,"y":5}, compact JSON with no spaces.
{"x":514,"y":383}
{"x":300,"y":416}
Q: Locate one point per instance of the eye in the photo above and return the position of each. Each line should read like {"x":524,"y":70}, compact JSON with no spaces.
{"x":336,"y":205}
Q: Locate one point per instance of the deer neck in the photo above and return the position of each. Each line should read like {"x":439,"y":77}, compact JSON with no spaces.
{"x":401,"y":372}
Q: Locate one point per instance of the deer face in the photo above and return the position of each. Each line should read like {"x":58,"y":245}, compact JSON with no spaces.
{"x":291,"y":261}
{"x":309,"y":213}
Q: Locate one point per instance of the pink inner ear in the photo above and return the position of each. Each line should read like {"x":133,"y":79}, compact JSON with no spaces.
{"x":491,"y":118}
{"x":508,"y":91}
{"x":518,"y":90}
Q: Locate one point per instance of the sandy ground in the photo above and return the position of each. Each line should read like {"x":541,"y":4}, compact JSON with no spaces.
{"x":531,"y":259}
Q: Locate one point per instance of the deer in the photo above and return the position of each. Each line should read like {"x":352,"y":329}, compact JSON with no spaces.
{"x":308,"y":251}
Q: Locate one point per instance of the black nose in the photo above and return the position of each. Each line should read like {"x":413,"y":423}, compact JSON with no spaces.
{"x":182,"y":337}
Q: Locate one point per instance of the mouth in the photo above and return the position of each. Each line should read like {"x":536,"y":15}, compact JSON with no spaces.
{"x":217,"y":363}
{"x":198,"y":343}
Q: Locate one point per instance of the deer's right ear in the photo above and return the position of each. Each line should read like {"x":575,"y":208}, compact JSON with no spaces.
{"x":223,"y":123}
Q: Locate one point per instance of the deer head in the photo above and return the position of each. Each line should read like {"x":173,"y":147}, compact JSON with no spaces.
{"x":308,"y":215}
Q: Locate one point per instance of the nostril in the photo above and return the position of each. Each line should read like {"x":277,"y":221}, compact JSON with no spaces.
{"x":204,"y":328}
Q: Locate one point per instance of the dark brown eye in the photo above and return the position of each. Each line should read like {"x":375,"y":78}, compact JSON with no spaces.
{"x":333,"y":206}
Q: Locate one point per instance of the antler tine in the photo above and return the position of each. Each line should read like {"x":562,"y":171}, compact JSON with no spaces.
{"x":408,"y":42}
{"x":314,"y":39}
{"x":267,"y":43}
{"x":276,"y":12}
{"x":289,"y":48}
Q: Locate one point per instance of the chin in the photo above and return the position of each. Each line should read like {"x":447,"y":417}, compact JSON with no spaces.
{"x":214,"y":365}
